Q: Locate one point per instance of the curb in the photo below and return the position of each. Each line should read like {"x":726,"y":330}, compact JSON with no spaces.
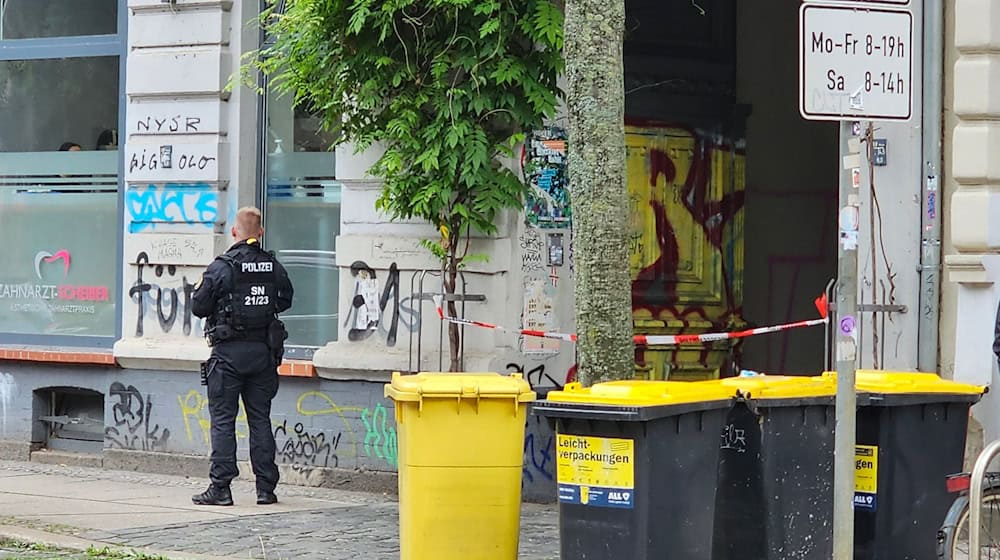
{"x":56,"y":540}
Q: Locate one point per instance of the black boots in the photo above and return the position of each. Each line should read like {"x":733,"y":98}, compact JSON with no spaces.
{"x":214,"y":496}
{"x":265,"y":498}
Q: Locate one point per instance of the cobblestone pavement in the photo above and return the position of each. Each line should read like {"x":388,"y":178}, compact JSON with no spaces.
{"x":369,"y":532}
{"x":358,"y":525}
{"x":187,"y":483}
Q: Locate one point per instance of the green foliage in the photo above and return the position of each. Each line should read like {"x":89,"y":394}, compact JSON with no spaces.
{"x":12,"y":544}
{"x":108,"y":553}
{"x":447,"y":87}
{"x":52,"y":552}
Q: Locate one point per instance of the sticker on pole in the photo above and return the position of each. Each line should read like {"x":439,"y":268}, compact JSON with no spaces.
{"x":595,"y":471}
{"x":855,"y":63}
{"x":866,"y":477}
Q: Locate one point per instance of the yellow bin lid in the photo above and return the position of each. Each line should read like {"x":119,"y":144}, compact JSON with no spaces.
{"x":768,"y":387}
{"x":416,"y":387}
{"x":897,"y":383}
{"x":641,"y":393}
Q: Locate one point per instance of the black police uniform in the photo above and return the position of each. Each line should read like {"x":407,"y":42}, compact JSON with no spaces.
{"x":996,"y":337}
{"x":240,"y":294}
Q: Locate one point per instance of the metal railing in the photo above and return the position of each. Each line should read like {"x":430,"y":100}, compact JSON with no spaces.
{"x":976,"y":498}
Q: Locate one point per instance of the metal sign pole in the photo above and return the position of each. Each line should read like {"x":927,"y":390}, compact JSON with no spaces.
{"x":855,"y":64}
{"x":845,"y":348}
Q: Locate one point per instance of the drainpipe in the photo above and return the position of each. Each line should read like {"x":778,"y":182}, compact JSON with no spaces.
{"x":930,"y":215}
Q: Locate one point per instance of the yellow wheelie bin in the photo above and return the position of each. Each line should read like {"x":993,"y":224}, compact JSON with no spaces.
{"x":461,"y":445}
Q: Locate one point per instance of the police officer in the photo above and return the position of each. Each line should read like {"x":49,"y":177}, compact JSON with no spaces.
{"x":240,"y":295}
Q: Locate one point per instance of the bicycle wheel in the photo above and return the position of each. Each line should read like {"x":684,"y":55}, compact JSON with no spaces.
{"x":954,"y":536}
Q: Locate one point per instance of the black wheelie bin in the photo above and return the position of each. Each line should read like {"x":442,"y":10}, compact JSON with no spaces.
{"x":636,"y":467}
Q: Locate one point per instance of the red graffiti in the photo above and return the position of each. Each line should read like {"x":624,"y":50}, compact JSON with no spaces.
{"x":571,"y":374}
{"x":660,"y":164}
{"x":655,"y":286}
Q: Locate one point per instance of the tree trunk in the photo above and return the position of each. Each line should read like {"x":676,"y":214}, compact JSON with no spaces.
{"x":450,"y":275}
{"x":596,"y":104}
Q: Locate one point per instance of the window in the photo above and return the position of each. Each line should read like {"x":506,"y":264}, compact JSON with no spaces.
{"x":302,"y":219}
{"x":33,"y":19}
{"x":60,"y":110}
{"x":46,"y":103}
{"x":58,"y":218}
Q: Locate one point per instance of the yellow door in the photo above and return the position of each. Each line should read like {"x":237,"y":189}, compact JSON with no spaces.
{"x":686,"y":194}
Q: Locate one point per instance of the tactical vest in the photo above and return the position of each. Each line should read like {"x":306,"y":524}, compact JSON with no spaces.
{"x":251,"y":304}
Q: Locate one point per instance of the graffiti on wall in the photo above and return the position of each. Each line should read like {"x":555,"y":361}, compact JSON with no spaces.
{"x":174,"y":117}
{"x":539,"y":439}
{"x":538,"y":378}
{"x":164,"y":248}
{"x":173,"y":163}
{"x":797,"y":268}
{"x":131,"y":426}
{"x":194,"y":411}
{"x":532,"y":250}
{"x":547,"y":204}
{"x":539,"y":449}
{"x":162,"y":158}
{"x":371,"y":311}
{"x":162,"y":289}
{"x":302,"y":447}
{"x":686,"y":195}
{"x":298,"y":440}
{"x":380,"y":437}
{"x":539,"y":289}
{"x":163,"y":295}
{"x":194,"y":204}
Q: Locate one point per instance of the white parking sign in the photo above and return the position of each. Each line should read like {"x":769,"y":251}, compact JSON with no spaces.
{"x":855,"y":62}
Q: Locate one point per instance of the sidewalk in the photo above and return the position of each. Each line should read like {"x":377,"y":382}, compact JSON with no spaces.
{"x":79,"y":507}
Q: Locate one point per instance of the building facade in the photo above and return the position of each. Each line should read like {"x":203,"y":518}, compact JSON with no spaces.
{"x":733,"y":200}
{"x":970,"y":295}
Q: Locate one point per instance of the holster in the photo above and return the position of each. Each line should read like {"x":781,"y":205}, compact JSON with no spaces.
{"x":218,"y":333}
{"x":276,"y":336}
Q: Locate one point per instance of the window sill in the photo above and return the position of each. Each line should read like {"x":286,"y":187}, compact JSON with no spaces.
{"x":374,"y":362}
{"x":165,"y":354}
{"x":157,"y":5}
{"x":48,"y":355}
{"x":297,"y":368}
{"x":288,"y":368}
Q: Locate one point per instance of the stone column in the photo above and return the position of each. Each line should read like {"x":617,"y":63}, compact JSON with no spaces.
{"x":190,"y":162}
{"x":975,"y":205}
{"x":369,"y":242}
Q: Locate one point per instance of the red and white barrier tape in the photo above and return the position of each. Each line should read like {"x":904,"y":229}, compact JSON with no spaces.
{"x":648,"y":340}
{"x":639,"y":339}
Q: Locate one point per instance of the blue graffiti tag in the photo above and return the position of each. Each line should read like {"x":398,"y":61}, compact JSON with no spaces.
{"x":173,"y":203}
{"x":537,"y":456}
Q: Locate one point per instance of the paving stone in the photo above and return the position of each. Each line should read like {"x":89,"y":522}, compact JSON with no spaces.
{"x":361,"y":526}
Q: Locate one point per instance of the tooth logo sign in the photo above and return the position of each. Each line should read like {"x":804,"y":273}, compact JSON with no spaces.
{"x":45,"y":256}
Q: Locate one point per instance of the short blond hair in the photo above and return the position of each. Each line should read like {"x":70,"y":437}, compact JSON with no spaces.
{"x":248,"y":222}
